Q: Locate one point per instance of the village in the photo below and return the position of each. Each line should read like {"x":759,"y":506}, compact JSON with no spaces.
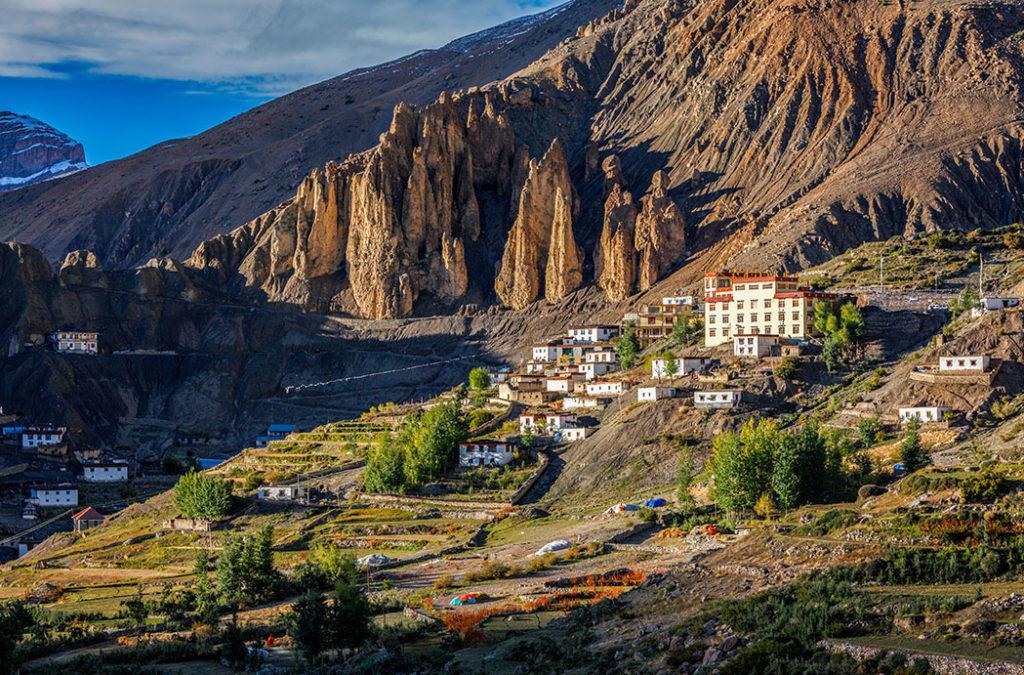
{"x":700,"y":367}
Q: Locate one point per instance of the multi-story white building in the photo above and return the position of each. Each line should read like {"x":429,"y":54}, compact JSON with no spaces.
{"x":546,"y":352}
{"x":655,"y":393}
{"x":38,"y":437}
{"x":545,"y":422}
{"x":485,"y":453}
{"x":601,"y":356}
{"x":75,"y":342}
{"x":717,"y":399}
{"x":592,"y":371}
{"x":111,"y":471}
{"x":65,"y":494}
{"x":589,"y":334}
{"x":748,"y":304}
{"x":974,"y":364}
{"x":604,"y":389}
{"x":755,"y":346}
{"x":923,"y":414}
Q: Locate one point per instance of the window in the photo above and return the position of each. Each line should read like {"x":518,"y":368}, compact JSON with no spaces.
{"x":711,"y":332}
{"x":796,"y":328}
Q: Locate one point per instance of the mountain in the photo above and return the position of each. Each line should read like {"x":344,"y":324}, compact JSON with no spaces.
{"x":766,"y":134}
{"x":167,"y":199}
{"x":33,"y":152}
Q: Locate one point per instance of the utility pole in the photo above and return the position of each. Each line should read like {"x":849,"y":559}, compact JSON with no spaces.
{"x":981,"y":274}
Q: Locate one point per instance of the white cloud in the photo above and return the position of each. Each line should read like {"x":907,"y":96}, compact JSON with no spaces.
{"x":254,"y":45}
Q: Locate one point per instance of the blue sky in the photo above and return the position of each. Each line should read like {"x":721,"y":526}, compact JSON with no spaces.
{"x":122,"y":75}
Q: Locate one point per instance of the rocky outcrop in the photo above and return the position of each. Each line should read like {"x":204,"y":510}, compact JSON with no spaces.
{"x":82,"y":268}
{"x":637,"y":247}
{"x":617,"y":252}
{"x":388,"y":229}
{"x":660,"y":233}
{"x":541,"y":257}
{"x":32,"y":152}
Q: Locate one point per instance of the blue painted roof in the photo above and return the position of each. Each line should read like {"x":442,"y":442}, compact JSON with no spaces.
{"x":205,"y":464}
{"x":280,"y":428}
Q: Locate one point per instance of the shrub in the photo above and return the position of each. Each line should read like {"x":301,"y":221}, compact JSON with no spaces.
{"x":479,"y":379}
{"x":648,"y":515}
{"x":985,"y":487}
{"x":787,"y":368}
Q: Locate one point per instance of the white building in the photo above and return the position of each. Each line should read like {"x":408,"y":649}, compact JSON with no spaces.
{"x":282,"y":493}
{"x":111,"y":471}
{"x":592,"y":371}
{"x":604,"y":389}
{"x":684,"y":366}
{"x":582,"y":403}
{"x":535,"y":367}
{"x":717,"y":399}
{"x":571,"y":434}
{"x":678,"y":300}
{"x":545,"y":422}
{"x":64,"y":494}
{"x":546,"y":352}
{"x":600,"y":356}
{"x":922,"y":414}
{"x":755,"y":346}
{"x":757,"y":304}
{"x":562,"y":385}
{"x":655,"y":393}
{"x":485,"y":453}
{"x":996,"y":304}
{"x":589,"y":334}
{"x":36,"y":437}
{"x":975,"y":364}
{"x":74,"y":342}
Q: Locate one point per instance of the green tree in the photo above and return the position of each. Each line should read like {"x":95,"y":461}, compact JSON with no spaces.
{"x":742,"y":464}
{"x":912,"y":455}
{"x":15,"y":621}
{"x":306,"y":623}
{"x":627,"y":346}
{"x":684,"y":475}
{"x":199,"y":495}
{"x":787,"y":367}
{"x":479,"y":379}
{"x":832,"y":354}
{"x":965,"y":302}
{"x":245,"y":570}
{"x":207,"y":608}
{"x":385,"y":466}
{"x":671,"y":365}
{"x":686,"y":330}
{"x":136,"y":611}
{"x":869,"y":429}
{"x":348,"y":617}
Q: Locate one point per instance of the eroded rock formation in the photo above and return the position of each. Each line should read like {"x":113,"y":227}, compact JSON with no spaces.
{"x":389,"y":227}
{"x":541,"y":258}
{"x":660,"y":233}
{"x":637,"y":247}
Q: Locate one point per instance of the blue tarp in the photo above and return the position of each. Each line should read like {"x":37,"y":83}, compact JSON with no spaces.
{"x":280,"y":429}
{"x":205,"y":464}
{"x":655,"y":503}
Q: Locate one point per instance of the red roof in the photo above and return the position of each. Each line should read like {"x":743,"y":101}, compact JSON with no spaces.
{"x":750,"y":276}
{"x":88,"y":513}
{"x":805,"y":294}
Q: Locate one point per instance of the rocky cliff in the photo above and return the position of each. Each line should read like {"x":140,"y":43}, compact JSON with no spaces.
{"x":167,"y":199}
{"x":32,"y":152}
{"x":392,"y":229}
